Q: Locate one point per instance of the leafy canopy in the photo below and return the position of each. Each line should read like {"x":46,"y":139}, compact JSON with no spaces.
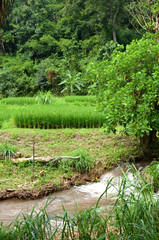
{"x":128,"y":88}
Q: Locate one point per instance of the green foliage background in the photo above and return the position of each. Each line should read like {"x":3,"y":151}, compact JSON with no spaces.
{"x":55,"y":37}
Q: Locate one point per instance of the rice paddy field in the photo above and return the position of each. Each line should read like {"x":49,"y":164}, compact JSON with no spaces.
{"x":67,"y":112}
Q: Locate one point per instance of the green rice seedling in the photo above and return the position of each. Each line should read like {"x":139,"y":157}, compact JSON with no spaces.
{"x":18,"y":101}
{"x":5,"y":114}
{"x":58,"y":116}
{"x":82,"y":99}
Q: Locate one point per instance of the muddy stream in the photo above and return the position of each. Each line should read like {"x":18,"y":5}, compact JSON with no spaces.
{"x":85,"y":195}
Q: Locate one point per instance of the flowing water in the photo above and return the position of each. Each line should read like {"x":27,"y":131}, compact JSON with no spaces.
{"x":84,"y":195}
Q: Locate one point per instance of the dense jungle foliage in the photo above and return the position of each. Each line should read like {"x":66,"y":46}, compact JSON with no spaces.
{"x":48,"y":42}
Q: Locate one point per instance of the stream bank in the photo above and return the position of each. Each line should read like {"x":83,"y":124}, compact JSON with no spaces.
{"x":83,"y":195}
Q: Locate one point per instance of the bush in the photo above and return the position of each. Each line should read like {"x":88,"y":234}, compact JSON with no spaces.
{"x":128,"y":90}
{"x":84,"y":164}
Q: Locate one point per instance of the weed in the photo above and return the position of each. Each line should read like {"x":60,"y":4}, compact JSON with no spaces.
{"x":8,"y":150}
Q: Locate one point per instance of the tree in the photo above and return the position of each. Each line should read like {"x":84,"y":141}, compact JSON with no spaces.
{"x":128,"y":90}
{"x":145,"y":14}
{"x":109,"y":15}
{"x":4,"y":8}
{"x":31,"y":28}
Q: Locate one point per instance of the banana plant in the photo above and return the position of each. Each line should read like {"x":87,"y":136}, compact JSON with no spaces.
{"x":72,"y":83}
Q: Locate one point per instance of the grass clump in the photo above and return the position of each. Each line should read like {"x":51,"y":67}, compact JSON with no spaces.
{"x":7,"y":150}
{"x":83,"y":164}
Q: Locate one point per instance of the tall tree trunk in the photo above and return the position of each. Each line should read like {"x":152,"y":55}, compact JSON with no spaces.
{"x":114,"y":36}
{"x":150,"y":141}
{"x":113,"y":20}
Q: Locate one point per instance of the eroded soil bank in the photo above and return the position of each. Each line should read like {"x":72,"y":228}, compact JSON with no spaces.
{"x":48,"y":189}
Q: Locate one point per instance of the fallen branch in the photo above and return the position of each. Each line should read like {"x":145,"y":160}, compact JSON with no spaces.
{"x":42,"y":159}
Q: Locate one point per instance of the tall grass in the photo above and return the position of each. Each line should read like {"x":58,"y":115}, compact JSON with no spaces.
{"x":136,"y":210}
{"x":33,"y":226}
{"x":58,"y":116}
{"x":18,"y":101}
{"x":133,"y":215}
